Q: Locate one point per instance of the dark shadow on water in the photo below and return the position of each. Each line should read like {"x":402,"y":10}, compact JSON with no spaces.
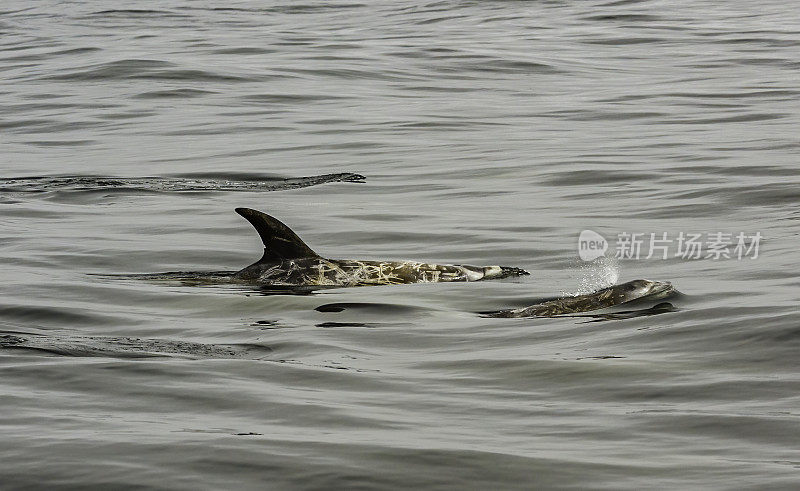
{"x":381,"y":308}
{"x":346,"y":324}
{"x":288,"y":290}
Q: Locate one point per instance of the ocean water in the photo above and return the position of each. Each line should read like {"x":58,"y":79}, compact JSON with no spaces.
{"x":487,"y":132}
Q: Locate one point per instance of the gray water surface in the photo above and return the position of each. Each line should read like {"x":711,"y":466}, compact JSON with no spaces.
{"x":489,"y":133}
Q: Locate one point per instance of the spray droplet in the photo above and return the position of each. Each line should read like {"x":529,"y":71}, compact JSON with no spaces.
{"x":600,"y":273}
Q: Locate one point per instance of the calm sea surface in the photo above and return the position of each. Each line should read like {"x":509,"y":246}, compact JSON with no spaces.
{"x":488,"y":132}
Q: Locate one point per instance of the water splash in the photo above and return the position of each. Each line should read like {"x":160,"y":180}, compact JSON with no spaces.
{"x":600,"y":273}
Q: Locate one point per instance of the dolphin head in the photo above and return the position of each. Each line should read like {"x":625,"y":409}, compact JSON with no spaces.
{"x":636,"y":289}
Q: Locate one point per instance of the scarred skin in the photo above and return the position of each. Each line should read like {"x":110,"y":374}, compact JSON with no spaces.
{"x":346,"y":272}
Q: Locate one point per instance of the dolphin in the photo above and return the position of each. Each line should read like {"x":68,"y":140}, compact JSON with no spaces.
{"x":288,"y":261}
{"x":601,"y":299}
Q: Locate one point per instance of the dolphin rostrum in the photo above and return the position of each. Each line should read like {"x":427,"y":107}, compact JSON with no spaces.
{"x":288,"y":261}
{"x":601,"y":299}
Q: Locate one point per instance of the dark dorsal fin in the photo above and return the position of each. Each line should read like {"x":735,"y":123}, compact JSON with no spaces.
{"x":279,"y":240}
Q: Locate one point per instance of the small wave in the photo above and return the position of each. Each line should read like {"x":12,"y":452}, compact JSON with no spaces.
{"x":624,"y":17}
{"x":223,"y":279}
{"x":173,"y":94}
{"x":143,"y":69}
{"x":46,"y":315}
{"x":129,"y":347}
{"x":133,"y":12}
{"x":38,"y":184}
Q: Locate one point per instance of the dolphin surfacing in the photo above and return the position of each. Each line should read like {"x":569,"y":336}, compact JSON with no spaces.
{"x":288,"y":261}
{"x":601,"y":299}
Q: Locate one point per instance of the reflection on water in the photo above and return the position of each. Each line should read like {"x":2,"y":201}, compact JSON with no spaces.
{"x":660,"y":308}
